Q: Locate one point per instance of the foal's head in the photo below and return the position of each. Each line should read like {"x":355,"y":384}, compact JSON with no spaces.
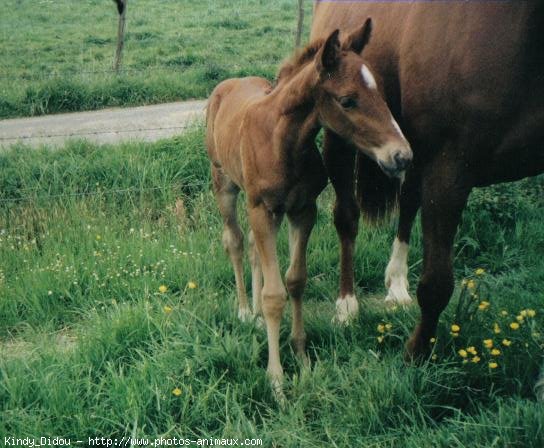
{"x":349,"y":102}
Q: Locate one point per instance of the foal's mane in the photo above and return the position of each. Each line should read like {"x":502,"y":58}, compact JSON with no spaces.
{"x":292,"y":65}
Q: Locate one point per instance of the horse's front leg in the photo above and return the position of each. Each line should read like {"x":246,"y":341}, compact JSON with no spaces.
{"x":396,"y":274}
{"x":301,"y":224}
{"x":339,"y":160}
{"x":265,"y":225}
{"x":444,"y":195}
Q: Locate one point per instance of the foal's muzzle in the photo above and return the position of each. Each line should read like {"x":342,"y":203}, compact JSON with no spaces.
{"x":400,"y":162}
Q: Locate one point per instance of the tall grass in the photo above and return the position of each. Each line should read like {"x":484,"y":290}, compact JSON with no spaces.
{"x":58,"y":57}
{"x":89,"y":345}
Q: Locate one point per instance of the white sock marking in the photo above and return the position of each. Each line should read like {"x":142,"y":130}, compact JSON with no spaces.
{"x":396,"y":275}
{"x":346,"y":309}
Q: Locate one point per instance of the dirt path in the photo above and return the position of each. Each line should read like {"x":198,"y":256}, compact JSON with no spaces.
{"x":147,"y":123}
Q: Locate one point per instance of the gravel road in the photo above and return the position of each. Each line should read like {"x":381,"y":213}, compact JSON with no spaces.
{"x":147,"y":123}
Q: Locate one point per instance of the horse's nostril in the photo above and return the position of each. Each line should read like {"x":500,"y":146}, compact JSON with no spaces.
{"x":402,"y":161}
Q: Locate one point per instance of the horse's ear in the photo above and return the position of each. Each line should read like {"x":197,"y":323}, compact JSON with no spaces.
{"x":329,"y":55}
{"x":359,"y":39}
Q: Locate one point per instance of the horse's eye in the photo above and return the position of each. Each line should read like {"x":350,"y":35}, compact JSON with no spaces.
{"x":347,"y":102}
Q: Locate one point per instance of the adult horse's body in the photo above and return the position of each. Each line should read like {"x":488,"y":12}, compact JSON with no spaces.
{"x":465,"y":80}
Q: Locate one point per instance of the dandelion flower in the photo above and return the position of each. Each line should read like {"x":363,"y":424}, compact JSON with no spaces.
{"x":163,"y":289}
{"x":476,"y":359}
{"x":495,"y":352}
{"x":455,"y":335}
{"x":483,"y":305}
{"x":514,"y":325}
{"x":381,"y":328}
{"x":455,"y":328}
{"x":479,"y":271}
{"x":506,"y":342}
{"x":434,"y":357}
{"x":504,"y":313}
{"x":496,"y":328}
{"x":520,"y":318}
{"x":191,"y":285}
{"x":472,"y":350}
{"x":176,"y":392}
{"x":471,"y":284}
{"x":167,"y":309}
{"x":462,"y":353}
{"x":523,"y":313}
{"x":531,"y":313}
{"x":388,"y":327}
{"x":488,"y":343}
{"x":433,"y":340}
{"x":380,"y":339}
{"x":493,"y":365}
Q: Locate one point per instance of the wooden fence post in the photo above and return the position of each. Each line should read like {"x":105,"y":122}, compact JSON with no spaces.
{"x":122,"y":9}
{"x":300,"y":25}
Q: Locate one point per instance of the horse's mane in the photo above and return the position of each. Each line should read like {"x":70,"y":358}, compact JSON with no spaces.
{"x":292,"y":65}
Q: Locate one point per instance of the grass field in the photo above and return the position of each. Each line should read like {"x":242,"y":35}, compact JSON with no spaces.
{"x":90,"y":346}
{"x":57,"y":56}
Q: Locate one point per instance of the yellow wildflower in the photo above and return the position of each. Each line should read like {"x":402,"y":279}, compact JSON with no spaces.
{"x":433,"y":340}
{"x":455,"y":328}
{"x":380,"y":339}
{"x":98,"y":237}
{"x":471,"y":284}
{"x":176,"y":392}
{"x":455,"y":335}
{"x":479,"y":271}
{"x":514,"y":325}
{"x":476,"y":359}
{"x":493,"y":365}
{"x":506,"y":342}
{"x":434,"y":357}
{"x":388,"y":327}
{"x":523,"y":313}
{"x":496,"y":328}
{"x":472,"y":350}
{"x":381,"y":328}
{"x":531,"y":313}
{"x":495,"y":352}
{"x":191,"y":285}
{"x":488,"y":343}
{"x":167,"y":309}
{"x":483,"y":305}
{"x":163,"y":289}
{"x":504,"y":313}
{"x":462,"y":353}
{"x":520,"y":318}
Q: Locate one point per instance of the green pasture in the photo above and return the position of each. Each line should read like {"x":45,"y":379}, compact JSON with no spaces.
{"x":57,"y":54}
{"x":90,"y":346}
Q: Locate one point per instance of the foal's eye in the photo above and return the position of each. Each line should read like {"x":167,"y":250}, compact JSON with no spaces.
{"x":348,"y":102}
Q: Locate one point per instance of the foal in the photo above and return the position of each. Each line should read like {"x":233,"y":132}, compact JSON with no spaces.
{"x":261,"y":139}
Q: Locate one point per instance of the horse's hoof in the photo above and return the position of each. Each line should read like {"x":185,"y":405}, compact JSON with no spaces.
{"x":397,"y":292}
{"x":347,"y":309}
{"x":393,"y":299}
{"x":416,"y":351}
{"x":276,"y":383}
{"x":245,"y":315}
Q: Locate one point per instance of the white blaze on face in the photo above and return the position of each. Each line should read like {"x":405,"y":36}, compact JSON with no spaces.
{"x":368,"y":78}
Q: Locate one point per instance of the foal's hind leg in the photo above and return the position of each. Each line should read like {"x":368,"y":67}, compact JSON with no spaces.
{"x":340,"y":163}
{"x":300,"y":227}
{"x":396,"y":274}
{"x":226,"y":193}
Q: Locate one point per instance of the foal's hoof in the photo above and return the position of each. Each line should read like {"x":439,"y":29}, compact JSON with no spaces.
{"x":276,"y":383}
{"x":299,"y":347}
{"x":347,"y":309}
{"x":396,"y":297}
{"x":245,"y":315}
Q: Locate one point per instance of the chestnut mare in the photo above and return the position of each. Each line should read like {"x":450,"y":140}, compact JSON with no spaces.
{"x":261,"y":139}
{"x":465,"y":81}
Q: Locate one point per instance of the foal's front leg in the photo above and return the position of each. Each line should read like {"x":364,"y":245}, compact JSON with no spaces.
{"x":265,"y":225}
{"x":301,"y":224}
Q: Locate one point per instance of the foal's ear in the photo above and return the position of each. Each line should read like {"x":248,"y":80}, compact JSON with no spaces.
{"x":329,"y":55}
{"x":359,"y":39}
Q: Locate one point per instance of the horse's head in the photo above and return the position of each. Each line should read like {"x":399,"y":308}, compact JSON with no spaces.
{"x":349,"y":102}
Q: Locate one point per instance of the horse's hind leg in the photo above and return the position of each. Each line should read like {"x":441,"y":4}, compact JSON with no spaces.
{"x":300,"y":227}
{"x":340,"y":163}
{"x":444,"y":195}
{"x":226,"y":194}
{"x":396,"y":274}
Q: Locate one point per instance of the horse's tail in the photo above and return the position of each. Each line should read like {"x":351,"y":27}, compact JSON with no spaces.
{"x":377,"y":194}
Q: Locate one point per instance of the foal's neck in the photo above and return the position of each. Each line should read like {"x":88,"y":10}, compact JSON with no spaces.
{"x":298,"y":122}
